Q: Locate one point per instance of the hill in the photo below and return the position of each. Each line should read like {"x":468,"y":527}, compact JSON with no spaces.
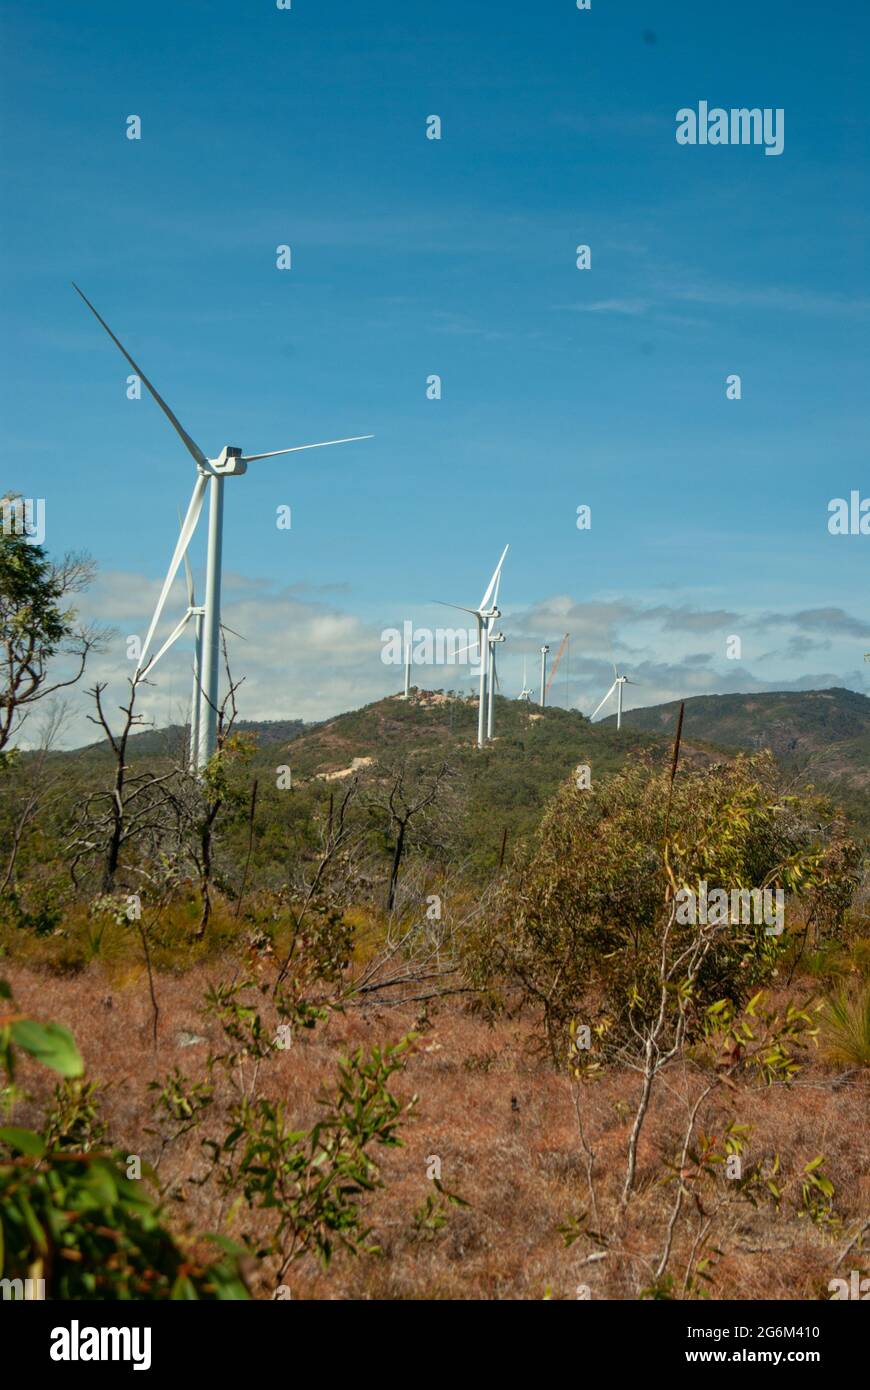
{"x":786,"y":722}
{"x":825,"y":731}
{"x":821,"y":736}
{"x":166,"y":742}
{"x":503,"y":789}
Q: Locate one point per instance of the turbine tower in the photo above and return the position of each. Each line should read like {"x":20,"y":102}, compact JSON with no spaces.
{"x":618,"y":683}
{"x":493,"y":683}
{"x":544,"y":651}
{"x":407,"y":693}
{"x":197,"y":613}
{"x":485,"y":615}
{"x":211,"y":472}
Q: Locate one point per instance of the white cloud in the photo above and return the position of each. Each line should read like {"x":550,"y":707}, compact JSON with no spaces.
{"x":304,"y":656}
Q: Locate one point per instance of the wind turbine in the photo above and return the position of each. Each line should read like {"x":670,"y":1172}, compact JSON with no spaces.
{"x":544,"y":651}
{"x":407,"y":693}
{"x":211,"y":472}
{"x":493,"y":684}
{"x":618,"y":683}
{"x":485,"y":616}
{"x":525,"y":693}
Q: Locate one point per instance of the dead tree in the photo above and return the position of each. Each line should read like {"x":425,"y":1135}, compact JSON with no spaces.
{"x":130,"y":810}
{"x":403,"y":805}
{"x":201,"y":796}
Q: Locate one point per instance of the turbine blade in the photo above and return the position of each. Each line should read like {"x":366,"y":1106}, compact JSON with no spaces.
{"x":190,"y":444}
{"x":297,"y":448}
{"x":187,"y":529}
{"x":188,"y":576}
{"x":603,"y":702}
{"x":459,"y":608}
{"x":173,"y":637}
{"x":463,"y":650}
{"x":484,"y":602}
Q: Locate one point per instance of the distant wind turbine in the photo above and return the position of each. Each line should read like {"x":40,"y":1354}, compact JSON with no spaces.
{"x":407,"y":692}
{"x":525,"y":693}
{"x":544,"y":651}
{"x":211,"y":472}
{"x":485,"y":615}
{"x":494,"y":686}
{"x":618,"y":683}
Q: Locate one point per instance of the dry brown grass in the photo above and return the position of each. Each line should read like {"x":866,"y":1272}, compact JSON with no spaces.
{"x":504,"y":1127}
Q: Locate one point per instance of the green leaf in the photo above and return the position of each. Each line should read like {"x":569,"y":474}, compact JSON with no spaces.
{"x":37,"y":1234}
{"x":183,"y":1290}
{"x":24,"y":1140}
{"x":232,"y":1247}
{"x":50,"y":1044}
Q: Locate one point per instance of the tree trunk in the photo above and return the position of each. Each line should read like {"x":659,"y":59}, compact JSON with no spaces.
{"x":397,"y":859}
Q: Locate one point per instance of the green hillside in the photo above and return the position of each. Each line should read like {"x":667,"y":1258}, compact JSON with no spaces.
{"x":167,"y":742}
{"x":821,"y":736}
{"x":786,"y":722}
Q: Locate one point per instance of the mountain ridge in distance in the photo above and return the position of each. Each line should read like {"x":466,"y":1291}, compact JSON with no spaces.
{"x":786,"y":722}
{"x":821,"y":736}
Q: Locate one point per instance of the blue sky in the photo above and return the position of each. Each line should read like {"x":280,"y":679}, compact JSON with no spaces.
{"x":561,"y":387}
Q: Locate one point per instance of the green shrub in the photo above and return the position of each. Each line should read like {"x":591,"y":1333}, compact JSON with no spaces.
{"x":70,"y":1215}
{"x":845,"y":1026}
{"x":582,"y":919}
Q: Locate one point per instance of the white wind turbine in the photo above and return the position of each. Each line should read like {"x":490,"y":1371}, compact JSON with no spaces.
{"x":494,"y":686}
{"x":544,"y":649}
{"x":230,"y":462}
{"x":618,"y":683}
{"x":408,"y":648}
{"x":525,"y":693}
{"x":485,"y":616}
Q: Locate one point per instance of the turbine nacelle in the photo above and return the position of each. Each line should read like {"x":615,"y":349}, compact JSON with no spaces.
{"x":229,"y":462}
